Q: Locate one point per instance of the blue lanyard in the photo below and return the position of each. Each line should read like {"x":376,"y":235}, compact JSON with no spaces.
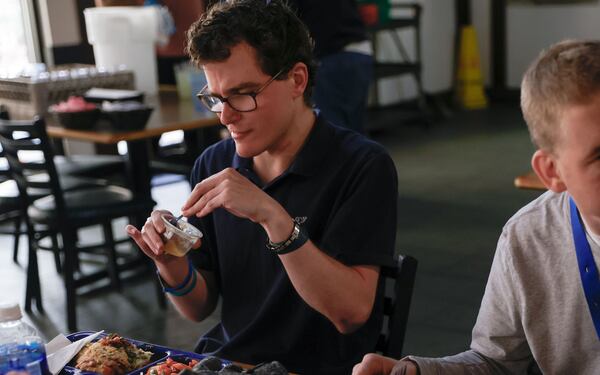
{"x":587,"y":267}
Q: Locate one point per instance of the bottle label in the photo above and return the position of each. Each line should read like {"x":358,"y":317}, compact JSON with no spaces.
{"x":23,"y":359}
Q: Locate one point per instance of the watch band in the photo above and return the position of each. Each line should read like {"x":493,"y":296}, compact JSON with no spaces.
{"x":297,"y":238}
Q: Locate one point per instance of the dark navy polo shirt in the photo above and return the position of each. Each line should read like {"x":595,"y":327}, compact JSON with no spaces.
{"x":343,"y":187}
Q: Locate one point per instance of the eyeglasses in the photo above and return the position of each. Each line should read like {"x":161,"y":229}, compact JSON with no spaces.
{"x":239,"y":102}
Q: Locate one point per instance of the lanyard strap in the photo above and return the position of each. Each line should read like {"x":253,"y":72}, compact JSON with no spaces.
{"x":587,"y":267}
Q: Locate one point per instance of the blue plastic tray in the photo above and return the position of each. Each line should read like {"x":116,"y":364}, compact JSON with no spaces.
{"x":161,"y":353}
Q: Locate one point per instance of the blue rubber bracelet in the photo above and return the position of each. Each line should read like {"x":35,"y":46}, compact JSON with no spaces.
{"x":190,"y":279}
{"x":187,"y":289}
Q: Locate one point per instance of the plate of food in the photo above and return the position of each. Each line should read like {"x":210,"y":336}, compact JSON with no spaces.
{"x":111,"y":354}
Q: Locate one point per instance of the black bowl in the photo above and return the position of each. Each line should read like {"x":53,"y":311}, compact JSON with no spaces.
{"x":129,"y":120}
{"x":81,"y":120}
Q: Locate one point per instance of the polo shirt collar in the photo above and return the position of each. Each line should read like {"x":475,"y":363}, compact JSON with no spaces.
{"x":310,"y":156}
{"x":315,"y":149}
{"x":240,"y":163}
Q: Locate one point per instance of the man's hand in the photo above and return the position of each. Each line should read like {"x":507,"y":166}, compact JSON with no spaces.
{"x":149,"y":238}
{"x":232,"y":191}
{"x":375,"y":364}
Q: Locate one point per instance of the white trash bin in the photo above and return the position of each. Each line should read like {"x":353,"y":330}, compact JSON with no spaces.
{"x":125,"y":36}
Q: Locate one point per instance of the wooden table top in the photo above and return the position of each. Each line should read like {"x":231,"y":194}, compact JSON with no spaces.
{"x":169,"y":114}
{"x":530,"y":181}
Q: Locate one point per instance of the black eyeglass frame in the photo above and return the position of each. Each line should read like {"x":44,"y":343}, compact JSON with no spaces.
{"x":204,"y":97}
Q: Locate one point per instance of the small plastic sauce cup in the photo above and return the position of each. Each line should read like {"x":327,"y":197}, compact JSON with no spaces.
{"x":179,"y":239}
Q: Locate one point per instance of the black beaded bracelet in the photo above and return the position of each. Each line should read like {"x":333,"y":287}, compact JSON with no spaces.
{"x":294,"y":242}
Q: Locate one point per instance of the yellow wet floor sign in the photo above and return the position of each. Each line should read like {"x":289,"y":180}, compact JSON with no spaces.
{"x":469,"y":91}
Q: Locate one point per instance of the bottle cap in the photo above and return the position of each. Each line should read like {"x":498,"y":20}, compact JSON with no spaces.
{"x":10,"y":311}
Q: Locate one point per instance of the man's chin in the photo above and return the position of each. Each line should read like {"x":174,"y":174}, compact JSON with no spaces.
{"x":244,"y":151}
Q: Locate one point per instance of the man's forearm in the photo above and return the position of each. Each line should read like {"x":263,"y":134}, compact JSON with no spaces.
{"x":344,"y":294}
{"x":470,"y":362}
{"x":199,"y":301}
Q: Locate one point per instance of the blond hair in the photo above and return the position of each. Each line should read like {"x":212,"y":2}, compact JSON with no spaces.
{"x":565,"y":74}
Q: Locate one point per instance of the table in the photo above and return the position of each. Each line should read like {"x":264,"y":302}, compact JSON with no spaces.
{"x":169,"y":114}
{"x":530,"y":181}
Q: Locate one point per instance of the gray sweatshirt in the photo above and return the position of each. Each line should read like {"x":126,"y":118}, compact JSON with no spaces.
{"x":534,"y":308}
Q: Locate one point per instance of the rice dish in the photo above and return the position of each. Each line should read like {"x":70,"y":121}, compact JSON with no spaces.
{"x":111,"y":355}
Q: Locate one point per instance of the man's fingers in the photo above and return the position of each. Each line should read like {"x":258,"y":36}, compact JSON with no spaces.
{"x":197,"y":244}
{"x":152,"y":238}
{"x":374,"y":364}
{"x":134,"y":233}
{"x":207,"y":185}
{"x":156,"y":219}
{"x":200,"y":207}
{"x":202,"y":187}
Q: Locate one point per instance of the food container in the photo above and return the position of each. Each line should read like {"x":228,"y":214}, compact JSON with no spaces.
{"x":81,"y":120}
{"x":126,"y":116}
{"x":75,"y":113}
{"x":179,"y":239}
{"x":160,"y":354}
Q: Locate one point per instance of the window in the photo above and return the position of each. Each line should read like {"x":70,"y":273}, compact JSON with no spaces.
{"x":17,"y":37}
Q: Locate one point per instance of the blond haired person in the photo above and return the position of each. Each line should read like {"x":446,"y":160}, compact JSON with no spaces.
{"x":541,"y":307}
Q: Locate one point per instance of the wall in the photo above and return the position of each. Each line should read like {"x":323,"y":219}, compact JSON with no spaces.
{"x":532,"y":28}
{"x":437,"y":51}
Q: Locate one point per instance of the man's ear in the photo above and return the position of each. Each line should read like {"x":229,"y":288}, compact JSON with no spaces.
{"x":299,"y":76}
{"x":544,"y":165}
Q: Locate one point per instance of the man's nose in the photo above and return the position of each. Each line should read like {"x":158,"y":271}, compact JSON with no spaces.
{"x":228,"y":115}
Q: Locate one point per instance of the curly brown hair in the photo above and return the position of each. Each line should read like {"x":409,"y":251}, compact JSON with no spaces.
{"x":279,"y":37}
{"x":566,"y":74}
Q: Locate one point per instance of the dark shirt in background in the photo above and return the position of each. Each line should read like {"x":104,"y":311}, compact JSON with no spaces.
{"x":333,"y":24}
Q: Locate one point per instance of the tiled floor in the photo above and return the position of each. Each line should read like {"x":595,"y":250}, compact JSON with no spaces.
{"x":456,"y":192}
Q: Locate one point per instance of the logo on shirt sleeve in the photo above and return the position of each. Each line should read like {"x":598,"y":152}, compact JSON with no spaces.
{"x":300,"y":219}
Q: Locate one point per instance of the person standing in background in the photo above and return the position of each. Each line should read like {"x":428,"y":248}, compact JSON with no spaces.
{"x":345,"y":58}
{"x":184,"y":12}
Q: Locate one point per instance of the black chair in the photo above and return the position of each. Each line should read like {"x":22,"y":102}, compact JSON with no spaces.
{"x":10,"y":218}
{"x":62,"y":212}
{"x":399,"y":281}
{"x":76,"y":172}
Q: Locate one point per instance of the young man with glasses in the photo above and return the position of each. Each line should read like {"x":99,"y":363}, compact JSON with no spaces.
{"x":297,"y":214}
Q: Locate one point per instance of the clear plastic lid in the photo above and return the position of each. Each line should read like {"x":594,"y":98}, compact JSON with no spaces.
{"x":10,"y":311}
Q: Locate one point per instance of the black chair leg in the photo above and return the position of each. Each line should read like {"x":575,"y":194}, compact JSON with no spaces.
{"x":17,"y":238}
{"x":113,"y":269}
{"x":33,"y":290}
{"x":56,"y":252}
{"x":70,"y":255}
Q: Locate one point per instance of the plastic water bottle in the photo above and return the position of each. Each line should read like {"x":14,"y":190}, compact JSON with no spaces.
{"x":22,"y":351}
